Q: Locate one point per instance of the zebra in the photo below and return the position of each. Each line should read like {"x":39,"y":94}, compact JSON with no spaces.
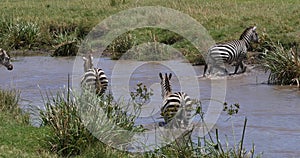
{"x":176,"y":105}
{"x":93,"y":78}
{"x":233,"y":51}
{"x":5,"y":59}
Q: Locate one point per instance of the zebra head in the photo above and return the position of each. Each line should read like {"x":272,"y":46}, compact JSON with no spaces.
{"x":250,"y":35}
{"x":165,"y":84}
{"x":5,"y":59}
{"x":88,"y":62}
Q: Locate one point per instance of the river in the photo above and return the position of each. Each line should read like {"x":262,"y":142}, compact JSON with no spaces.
{"x":273,"y":112}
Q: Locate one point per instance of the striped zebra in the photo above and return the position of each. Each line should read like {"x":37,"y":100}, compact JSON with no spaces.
{"x":94,"y":78}
{"x":5,"y":59}
{"x":176,"y":106}
{"x":233,"y":51}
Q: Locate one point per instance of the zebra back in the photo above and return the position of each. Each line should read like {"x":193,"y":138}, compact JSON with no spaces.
{"x":94,"y":79}
{"x":176,"y":106}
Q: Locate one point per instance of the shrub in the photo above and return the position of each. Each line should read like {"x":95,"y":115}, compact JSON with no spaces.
{"x":68,"y":134}
{"x":283,"y":64}
{"x":9,"y":100}
{"x":66,"y":44}
{"x":21,"y":34}
{"x":9,"y":104}
{"x":76,"y":121}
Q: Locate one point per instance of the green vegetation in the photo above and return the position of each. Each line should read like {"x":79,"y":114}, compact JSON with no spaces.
{"x":45,"y":22}
{"x":283,"y":64}
{"x":17,"y":137}
{"x":69,"y":119}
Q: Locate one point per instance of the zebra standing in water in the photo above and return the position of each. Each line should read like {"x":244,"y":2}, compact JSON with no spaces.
{"x":176,"y":106}
{"x":233,"y":51}
{"x":5,"y":59}
{"x":94,"y":78}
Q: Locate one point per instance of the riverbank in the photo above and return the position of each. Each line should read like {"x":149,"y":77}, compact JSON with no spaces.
{"x":32,"y":25}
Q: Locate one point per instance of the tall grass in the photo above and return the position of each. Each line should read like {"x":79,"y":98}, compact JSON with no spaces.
{"x":77,"y":121}
{"x":283,"y":64}
{"x":9,"y":101}
{"x":209,"y":146}
{"x":9,"y":104}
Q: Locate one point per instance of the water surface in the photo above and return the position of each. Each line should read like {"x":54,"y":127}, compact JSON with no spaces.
{"x":273,"y":112}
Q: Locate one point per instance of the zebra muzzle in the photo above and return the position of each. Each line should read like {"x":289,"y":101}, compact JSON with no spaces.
{"x":10,"y":67}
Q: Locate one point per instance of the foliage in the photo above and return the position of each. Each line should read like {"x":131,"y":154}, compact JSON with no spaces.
{"x":20,"y":34}
{"x":207,"y":146}
{"x":9,"y":100}
{"x":283,"y":64}
{"x":76,"y":121}
{"x":68,"y":134}
{"x":67,"y":44}
{"x":141,"y":95}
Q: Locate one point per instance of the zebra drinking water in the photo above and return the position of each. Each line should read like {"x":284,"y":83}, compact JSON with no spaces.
{"x":176,"y":106}
{"x":5,"y":59}
{"x":94,"y":78}
{"x":233,"y":51}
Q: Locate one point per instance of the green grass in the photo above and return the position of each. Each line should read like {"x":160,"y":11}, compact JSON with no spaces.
{"x":17,"y":137}
{"x":21,"y":140}
{"x":277,"y":18}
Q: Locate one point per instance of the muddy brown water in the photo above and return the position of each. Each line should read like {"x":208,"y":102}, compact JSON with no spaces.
{"x":273,"y":112}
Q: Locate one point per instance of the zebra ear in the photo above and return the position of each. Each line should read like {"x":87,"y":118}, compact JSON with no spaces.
{"x":160,"y":75}
{"x":254,"y":28}
{"x":84,"y":58}
{"x":91,"y":57}
{"x":170,"y":76}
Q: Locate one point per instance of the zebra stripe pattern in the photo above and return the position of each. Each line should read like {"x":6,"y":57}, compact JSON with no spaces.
{"x":176,"y":105}
{"x":5,"y":59}
{"x":94,"y":78}
{"x":233,"y":51}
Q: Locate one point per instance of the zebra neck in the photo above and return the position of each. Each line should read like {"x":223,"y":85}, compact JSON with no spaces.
{"x":166,"y":92}
{"x":247,"y":43}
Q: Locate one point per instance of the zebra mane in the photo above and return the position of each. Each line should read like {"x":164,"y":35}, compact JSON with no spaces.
{"x":165,"y":83}
{"x":246,"y":31}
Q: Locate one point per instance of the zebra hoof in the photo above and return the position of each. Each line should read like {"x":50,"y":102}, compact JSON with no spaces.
{"x":244,"y":70}
{"x":161,"y":124}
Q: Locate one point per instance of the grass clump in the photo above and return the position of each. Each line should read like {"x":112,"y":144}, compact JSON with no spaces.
{"x":78,"y":121}
{"x":68,"y":134}
{"x":9,"y":101}
{"x":283,"y":64}
{"x":20,"y":34}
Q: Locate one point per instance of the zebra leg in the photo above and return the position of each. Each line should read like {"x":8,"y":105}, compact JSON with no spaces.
{"x":205,"y":69}
{"x":243,"y":67}
{"x":237,"y":65}
{"x":222,"y":69}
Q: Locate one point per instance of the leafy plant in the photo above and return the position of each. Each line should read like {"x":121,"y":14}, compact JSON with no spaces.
{"x":21,"y":34}
{"x":283,"y":64}
{"x":66,"y":44}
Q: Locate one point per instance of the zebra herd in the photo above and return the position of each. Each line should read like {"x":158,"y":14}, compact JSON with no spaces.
{"x":177,"y":107}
